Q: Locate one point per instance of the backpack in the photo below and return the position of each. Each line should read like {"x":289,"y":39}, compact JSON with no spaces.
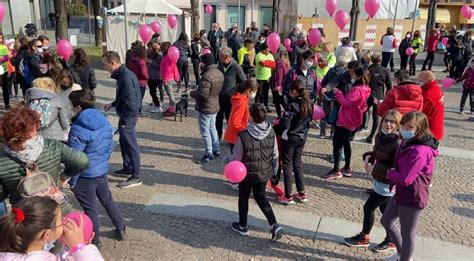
{"x":26,"y":72}
{"x":43,"y":107}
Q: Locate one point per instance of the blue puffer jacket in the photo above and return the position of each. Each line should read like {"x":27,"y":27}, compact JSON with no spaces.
{"x":92,"y":134}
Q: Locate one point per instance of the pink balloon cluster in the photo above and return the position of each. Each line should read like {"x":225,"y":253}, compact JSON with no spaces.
{"x":145,"y":33}
{"x":466,"y":11}
{"x":273,"y":41}
{"x":65,"y":49}
{"x":235,"y":171}
{"x":371,"y":7}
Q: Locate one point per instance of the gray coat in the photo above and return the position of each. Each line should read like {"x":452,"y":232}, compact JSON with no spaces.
{"x":59,"y":120}
{"x":207,"y":93}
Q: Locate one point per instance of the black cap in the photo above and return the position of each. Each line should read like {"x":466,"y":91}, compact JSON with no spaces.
{"x":208,"y":59}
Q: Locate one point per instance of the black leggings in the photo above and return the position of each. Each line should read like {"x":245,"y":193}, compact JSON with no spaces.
{"x":375,"y":117}
{"x":5,"y":89}
{"x":465,"y":93}
{"x":456,"y":66}
{"x":429,"y":60}
{"x":224,"y":112}
{"x":196,"y":70}
{"x":13,"y":84}
{"x":278,"y":101}
{"x":262,"y":92}
{"x":258,"y":190}
{"x":341,"y":138}
{"x":183,"y":68}
{"x":412,"y":65}
{"x":446,"y":60}
{"x":374,"y":201}
{"x":154,"y":84}
{"x":403,"y":61}
{"x":293,"y":164}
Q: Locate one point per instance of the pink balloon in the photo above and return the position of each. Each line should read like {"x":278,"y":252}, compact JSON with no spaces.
{"x":235,"y":171}
{"x":287,"y":43}
{"x":289,"y":49}
{"x":445,"y":41}
{"x":342,"y":19}
{"x":205,"y":51}
{"x":331,"y":6}
{"x":466,"y":11}
{"x":208,"y":9}
{"x":145,"y":33}
{"x":173,"y":53}
{"x":172,"y":21}
{"x":273,"y":41}
{"x":86,"y":221}
{"x":155,"y":26}
{"x":314,"y":37}
{"x":2,"y":12}
{"x":64,"y":49}
{"x":371,"y":7}
{"x":410,"y":51}
{"x":447,"y":83}
{"x":318,"y":113}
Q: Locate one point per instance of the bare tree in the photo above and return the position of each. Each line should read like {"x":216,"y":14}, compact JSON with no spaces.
{"x":355,"y":10}
{"x":61,"y":20}
{"x":276,"y":15}
{"x":431,"y":18}
{"x":194,"y":16}
{"x":98,"y":31}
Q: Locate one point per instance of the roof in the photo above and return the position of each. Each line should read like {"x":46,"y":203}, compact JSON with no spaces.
{"x":148,"y":7}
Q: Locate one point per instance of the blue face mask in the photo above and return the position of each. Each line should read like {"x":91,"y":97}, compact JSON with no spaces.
{"x":407,"y":134}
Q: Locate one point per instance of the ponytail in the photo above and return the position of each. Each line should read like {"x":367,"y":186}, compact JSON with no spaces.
{"x":21,"y":227}
{"x":250,"y":84}
{"x":300,"y":89}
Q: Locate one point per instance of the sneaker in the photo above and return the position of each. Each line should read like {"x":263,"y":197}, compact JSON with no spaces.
{"x":322,"y":136}
{"x":347,"y":172}
{"x":385,"y":246}
{"x":277,"y":232}
{"x":332,"y":174}
{"x":131,"y":182}
{"x":216,"y":154}
{"x":239,"y":229}
{"x":205,"y":159}
{"x":123,"y":173}
{"x":279,"y":191}
{"x":394,"y":257}
{"x":234,"y":186}
{"x":301,"y":197}
{"x":369,"y":140}
{"x":461,"y":112}
{"x":120,"y":235}
{"x":158,"y":109}
{"x":359,"y":240}
{"x":286,"y":201}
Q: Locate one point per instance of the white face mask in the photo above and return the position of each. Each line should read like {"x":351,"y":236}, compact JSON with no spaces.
{"x":45,"y":47}
{"x":253,"y":95}
{"x":48,"y":246}
{"x":39,"y":50}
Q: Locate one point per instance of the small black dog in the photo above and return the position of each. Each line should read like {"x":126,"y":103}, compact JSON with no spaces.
{"x":182,"y":107}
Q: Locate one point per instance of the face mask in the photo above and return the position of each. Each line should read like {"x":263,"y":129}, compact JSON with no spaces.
{"x":408,"y":36}
{"x":407,"y":134}
{"x":48,"y":246}
{"x":321,"y":66}
{"x":353,"y":81}
{"x":45,"y":47}
{"x":253,"y":95}
{"x":204,"y":35}
{"x":39,"y":50}
{"x":384,"y":131}
{"x":261,"y":41}
{"x":308,"y":64}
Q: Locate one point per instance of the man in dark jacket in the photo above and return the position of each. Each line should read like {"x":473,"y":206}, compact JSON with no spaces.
{"x":207,"y":105}
{"x":214,"y":36}
{"x":127,"y":104}
{"x":379,"y":83}
{"x":233,"y":76}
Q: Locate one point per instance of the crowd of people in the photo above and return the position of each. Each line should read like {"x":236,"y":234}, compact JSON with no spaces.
{"x":58,"y":130}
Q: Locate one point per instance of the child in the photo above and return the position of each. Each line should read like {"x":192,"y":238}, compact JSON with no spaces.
{"x":468,"y":88}
{"x":328,"y":52}
{"x":295,"y":124}
{"x":353,"y":105}
{"x":414,"y":167}
{"x":168,"y":71}
{"x":456,"y":48}
{"x":92,"y":133}
{"x":358,"y":49}
{"x":325,"y":100}
{"x":378,"y":162}
{"x":256,"y":148}
{"x":35,"y":222}
{"x":276,"y":81}
{"x":322,"y":68}
{"x":417,"y":45}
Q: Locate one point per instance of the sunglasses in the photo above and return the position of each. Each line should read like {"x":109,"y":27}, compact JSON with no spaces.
{"x":39,"y":46}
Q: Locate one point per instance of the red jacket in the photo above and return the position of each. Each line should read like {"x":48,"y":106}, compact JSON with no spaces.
{"x":432,"y":45}
{"x":433,"y":107}
{"x":238,"y":119}
{"x":138,"y":66}
{"x":405,"y":97}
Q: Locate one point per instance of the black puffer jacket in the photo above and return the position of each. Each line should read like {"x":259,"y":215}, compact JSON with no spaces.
{"x":233,"y":76}
{"x":85,"y":76}
{"x":379,"y":81}
{"x":207,"y":93}
{"x":383,"y":154}
{"x":295,"y":126}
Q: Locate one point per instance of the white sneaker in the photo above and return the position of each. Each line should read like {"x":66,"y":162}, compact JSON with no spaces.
{"x":158,"y":109}
{"x":234,"y":186}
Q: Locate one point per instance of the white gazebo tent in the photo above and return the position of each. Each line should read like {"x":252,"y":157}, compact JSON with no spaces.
{"x":139,"y":12}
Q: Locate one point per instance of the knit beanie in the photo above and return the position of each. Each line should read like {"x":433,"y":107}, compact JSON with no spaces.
{"x":207,"y":59}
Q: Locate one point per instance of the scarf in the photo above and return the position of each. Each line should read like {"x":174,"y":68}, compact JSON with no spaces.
{"x":31,"y":152}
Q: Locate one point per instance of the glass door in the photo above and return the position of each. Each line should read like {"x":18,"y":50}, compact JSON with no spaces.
{"x":266,"y":14}
{"x":233,"y":17}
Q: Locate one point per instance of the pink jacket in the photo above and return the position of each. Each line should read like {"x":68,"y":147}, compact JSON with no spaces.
{"x":168,"y":70}
{"x":88,"y":253}
{"x":353,"y":105}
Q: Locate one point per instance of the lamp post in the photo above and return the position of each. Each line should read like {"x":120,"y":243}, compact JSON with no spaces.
{"x":126,"y":22}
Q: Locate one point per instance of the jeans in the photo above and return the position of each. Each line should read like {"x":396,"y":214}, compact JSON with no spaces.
{"x":87,"y":191}
{"x":207,"y":128}
{"x":387,"y":57}
{"x":293,"y":164}
{"x":403,"y":61}
{"x":169,"y":91}
{"x":5,"y":89}
{"x":142,"y":92}
{"x":412,"y":64}
{"x":129,"y":145}
{"x":225,"y":107}
{"x":258,"y":189}
{"x":374,"y":201}
{"x":429,"y":60}
{"x":405,"y":236}
{"x":197,"y":75}
{"x":341,"y":138}
{"x":262,"y":92}
{"x":465,"y":93}
{"x":183,"y":72}
{"x":155,"y":84}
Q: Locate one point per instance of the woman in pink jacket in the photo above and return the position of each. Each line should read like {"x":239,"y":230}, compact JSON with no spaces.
{"x":169,"y":72}
{"x":276,"y":81}
{"x":353,"y":105}
{"x":35,"y":222}
{"x":138,"y":65}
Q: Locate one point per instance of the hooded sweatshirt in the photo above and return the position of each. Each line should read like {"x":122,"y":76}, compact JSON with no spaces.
{"x":58,"y":113}
{"x":353,"y":106}
{"x":254,"y":149}
{"x":238,"y":119}
{"x":412,"y":176}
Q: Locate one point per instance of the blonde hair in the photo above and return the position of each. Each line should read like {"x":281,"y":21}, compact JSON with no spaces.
{"x":46,"y":83}
{"x":422,"y":125}
{"x":393,"y":114}
{"x":357,"y":47}
{"x":328,"y":47}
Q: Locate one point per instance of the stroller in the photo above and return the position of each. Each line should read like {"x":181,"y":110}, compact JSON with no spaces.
{"x":31,"y":30}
